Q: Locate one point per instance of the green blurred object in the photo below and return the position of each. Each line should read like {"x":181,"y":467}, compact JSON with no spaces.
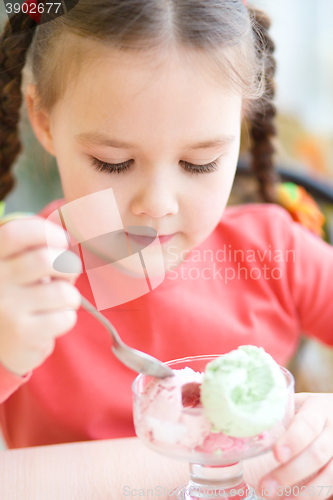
{"x":291,"y":189}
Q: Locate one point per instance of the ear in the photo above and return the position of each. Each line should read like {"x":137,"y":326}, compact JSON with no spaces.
{"x":39,"y":119}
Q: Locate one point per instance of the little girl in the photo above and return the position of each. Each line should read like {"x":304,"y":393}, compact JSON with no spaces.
{"x":147,"y":98}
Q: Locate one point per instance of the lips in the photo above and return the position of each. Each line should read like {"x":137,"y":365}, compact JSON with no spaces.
{"x":166,"y":237}
{"x":148,"y":240}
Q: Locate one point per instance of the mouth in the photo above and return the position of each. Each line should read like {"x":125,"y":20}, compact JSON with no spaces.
{"x":147,"y":240}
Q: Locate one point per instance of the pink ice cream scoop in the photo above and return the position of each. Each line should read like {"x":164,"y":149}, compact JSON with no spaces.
{"x":168,"y":410}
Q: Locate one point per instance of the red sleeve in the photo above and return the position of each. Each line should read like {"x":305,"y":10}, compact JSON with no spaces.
{"x":10,"y":382}
{"x":310,"y":273}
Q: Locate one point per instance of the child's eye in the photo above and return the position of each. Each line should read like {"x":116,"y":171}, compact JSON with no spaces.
{"x":102,"y":166}
{"x":200,"y":169}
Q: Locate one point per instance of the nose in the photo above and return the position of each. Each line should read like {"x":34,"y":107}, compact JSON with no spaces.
{"x":156,"y":195}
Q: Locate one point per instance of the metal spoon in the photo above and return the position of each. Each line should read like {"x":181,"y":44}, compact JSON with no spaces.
{"x":138,"y":361}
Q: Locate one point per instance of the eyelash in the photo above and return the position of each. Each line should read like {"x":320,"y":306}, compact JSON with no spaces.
{"x":102,"y":166}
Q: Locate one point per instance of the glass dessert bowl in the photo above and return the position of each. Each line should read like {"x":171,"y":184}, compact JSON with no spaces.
{"x":170,"y":419}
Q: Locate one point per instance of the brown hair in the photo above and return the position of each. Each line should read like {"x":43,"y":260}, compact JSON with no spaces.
{"x":208,"y":26}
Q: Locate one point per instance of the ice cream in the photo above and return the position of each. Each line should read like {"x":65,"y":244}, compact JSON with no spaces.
{"x":244,"y":392}
{"x":227,"y":409}
{"x":162,"y":407}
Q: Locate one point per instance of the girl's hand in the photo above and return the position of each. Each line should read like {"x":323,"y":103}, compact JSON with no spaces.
{"x":305,"y":449}
{"x":33,"y":312}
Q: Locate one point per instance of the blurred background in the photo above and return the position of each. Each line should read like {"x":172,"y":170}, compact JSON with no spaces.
{"x":303,"y":34}
{"x":302,"y":31}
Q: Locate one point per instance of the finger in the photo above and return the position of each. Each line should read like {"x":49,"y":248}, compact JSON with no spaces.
{"x":306,"y":425}
{"x":20,"y":234}
{"x":319,"y":487}
{"x":300,"y":398}
{"x":42,"y":298}
{"x":51,"y":324}
{"x":31,"y":266}
{"x":310,"y":460}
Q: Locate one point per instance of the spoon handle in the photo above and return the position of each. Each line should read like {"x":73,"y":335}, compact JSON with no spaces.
{"x":108,"y":325}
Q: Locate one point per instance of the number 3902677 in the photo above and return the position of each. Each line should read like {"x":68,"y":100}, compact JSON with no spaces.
{"x":32,"y":8}
{"x":304,"y":491}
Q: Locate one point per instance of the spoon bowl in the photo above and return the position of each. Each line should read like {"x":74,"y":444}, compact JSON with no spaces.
{"x":138,"y":361}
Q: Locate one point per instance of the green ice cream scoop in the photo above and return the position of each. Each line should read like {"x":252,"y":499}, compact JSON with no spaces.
{"x":244,"y":392}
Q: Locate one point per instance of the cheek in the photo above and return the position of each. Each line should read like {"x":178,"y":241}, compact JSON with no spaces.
{"x":209,"y":201}
{"x":74,"y":186}
{"x":222,"y":185}
{"x":80,"y":180}
{"x":78,"y":177}
{"x":75,"y":183}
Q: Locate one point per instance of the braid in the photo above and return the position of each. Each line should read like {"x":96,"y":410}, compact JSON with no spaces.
{"x":262,"y":126}
{"x":15,"y":40}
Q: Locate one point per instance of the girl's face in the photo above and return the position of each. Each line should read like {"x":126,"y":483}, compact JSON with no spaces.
{"x":171,"y":127}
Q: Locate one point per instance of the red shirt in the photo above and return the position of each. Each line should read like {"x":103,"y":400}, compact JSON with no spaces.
{"x":276,"y":283}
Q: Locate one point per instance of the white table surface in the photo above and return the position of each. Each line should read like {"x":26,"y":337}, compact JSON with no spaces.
{"x":97,"y":470}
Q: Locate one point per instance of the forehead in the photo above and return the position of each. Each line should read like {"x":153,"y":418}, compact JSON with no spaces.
{"x":150,"y":93}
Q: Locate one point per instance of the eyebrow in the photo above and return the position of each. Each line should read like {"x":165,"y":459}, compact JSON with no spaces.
{"x":101,"y":140}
